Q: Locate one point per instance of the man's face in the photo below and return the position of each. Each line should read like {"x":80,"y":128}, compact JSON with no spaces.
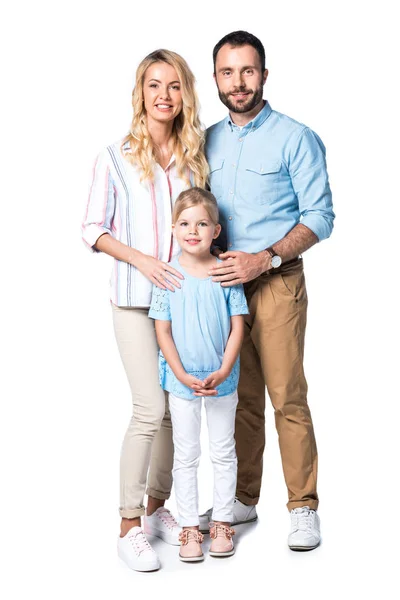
{"x":239,"y":78}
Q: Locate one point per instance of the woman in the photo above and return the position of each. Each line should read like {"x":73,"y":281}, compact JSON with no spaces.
{"x":128,"y":216}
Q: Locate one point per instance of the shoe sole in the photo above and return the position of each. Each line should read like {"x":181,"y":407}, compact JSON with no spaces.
{"x":191,"y":558}
{"x":142,"y":569}
{"x":303,"y":548}
{"x":222,"y":554}
{"x":232,"y":524}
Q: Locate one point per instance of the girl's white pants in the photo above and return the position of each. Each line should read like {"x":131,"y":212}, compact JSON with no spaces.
{"x":186,"y":420}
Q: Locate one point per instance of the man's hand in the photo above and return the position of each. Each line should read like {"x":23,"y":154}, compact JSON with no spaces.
{"x":239,"y":267}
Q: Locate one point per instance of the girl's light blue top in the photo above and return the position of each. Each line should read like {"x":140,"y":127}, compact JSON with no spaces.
{"x":200,"y":314}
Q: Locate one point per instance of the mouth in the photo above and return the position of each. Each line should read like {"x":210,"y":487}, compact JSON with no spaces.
{"x":192,"y":242}
{"x":240,"y":95}
{"x":164,"y":107}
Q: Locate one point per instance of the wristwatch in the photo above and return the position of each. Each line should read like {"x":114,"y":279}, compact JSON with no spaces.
{"x":276,"y":260}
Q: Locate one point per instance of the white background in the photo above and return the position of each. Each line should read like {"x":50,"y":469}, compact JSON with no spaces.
{"x":67,"y":73}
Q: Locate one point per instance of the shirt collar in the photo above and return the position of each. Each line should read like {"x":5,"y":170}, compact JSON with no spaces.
{"x":256,"y":122}
{"x":127,"y":148}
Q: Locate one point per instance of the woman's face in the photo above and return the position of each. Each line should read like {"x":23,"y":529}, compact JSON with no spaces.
{"x":162,"y":92}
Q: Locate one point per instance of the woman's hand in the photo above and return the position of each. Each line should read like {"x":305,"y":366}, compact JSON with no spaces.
{"x":158,"y":272}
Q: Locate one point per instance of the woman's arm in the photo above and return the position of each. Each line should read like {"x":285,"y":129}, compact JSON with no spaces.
{"x":157,"y":271}
{"x":230,"y":355}
{"x":168,"y":348}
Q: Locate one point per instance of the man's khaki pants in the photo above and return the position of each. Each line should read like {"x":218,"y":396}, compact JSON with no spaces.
{"x":272,"y":356}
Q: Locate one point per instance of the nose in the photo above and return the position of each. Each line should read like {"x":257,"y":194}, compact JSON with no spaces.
{"x":164,"y":93}
{"x":193,"y":230}
{"x":237,"y":79}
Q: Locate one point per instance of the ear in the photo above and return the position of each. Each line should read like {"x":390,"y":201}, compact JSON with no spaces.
{"x":217,"y":231}
{"x":265,"y":76}
{"x":215,"y":77}
{"x":173,"y":230}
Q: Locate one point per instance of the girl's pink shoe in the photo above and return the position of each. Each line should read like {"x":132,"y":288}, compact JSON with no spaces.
{"x":222,"y":543}
{"x":191,"y":540}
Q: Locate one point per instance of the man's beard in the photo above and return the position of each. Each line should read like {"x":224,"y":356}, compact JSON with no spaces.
{"x":244,"y":105}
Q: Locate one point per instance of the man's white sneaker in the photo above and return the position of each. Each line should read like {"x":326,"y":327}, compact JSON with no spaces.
{"x":162,"y":524}
{"x":136,"y":552}
{"x":305,"y":529}
{"x":241,"y":514}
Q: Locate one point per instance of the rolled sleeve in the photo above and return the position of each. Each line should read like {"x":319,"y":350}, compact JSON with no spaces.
{"x":101,"y":203}
{"x":311,"y":184}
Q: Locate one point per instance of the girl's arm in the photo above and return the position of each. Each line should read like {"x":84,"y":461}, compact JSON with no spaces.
{"x":231,"y":353}
{"x":168,"y":348}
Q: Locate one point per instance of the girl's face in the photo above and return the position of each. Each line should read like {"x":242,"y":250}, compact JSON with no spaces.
{"x":194,"y":230}
{"x":162,"y":92}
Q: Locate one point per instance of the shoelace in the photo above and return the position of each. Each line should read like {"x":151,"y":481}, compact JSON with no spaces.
{"x":167,"y":518}
{"x":303,"y":518}
{"x":139,"y":542}
{"x":217,"y":529}
{"x":187,"y":535}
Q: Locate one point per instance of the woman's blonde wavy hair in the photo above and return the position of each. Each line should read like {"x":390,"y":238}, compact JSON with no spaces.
{"x":188,"y":135}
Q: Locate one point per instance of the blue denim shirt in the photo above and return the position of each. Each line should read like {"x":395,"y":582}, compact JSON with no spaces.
{"x":267,"y":176}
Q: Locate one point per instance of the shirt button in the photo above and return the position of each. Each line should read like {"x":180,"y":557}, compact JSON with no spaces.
{"x":230,"y":218}
{"x":231,"y":191}
{"x":233,"y":165}
{"x":240,"y":139}
{"x":230,"y":245}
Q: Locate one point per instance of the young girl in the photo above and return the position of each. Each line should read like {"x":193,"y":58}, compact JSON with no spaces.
{"x":199,"y":329}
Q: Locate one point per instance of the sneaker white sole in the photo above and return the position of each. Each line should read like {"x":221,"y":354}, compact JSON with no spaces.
{"x":191,"y":558}
{"x":141,"y":567}
{"x":222,"y":554}
{"x":297,"y":548}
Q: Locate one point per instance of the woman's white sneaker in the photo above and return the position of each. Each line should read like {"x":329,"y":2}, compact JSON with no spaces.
{"x":162,"y":524}
{"x":305,"y":529}
{"x":241,"y":514}
{"x":136,"y":552}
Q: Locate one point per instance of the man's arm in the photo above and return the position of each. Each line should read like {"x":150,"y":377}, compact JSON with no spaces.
{"x":307,"y":168}
{"x":242,"y":267}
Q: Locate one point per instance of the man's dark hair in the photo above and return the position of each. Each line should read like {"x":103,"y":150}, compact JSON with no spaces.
{"x":241,"y":38}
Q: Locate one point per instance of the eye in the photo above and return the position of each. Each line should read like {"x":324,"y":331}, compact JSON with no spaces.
{"x":226,"y":73}
{"x":203,"y":224}
{"x":153,"y":85}
{"x":249,"y":71}
{"x":175,"y":87}
{"x":183,"y":224}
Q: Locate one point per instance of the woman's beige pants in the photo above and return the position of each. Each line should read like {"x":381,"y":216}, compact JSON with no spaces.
{"x":147,"y":449}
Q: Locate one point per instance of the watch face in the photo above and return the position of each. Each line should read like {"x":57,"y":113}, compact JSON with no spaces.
{"x":276,"y":261}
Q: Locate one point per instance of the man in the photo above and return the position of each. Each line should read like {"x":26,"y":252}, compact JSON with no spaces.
{"x":268,"y":173}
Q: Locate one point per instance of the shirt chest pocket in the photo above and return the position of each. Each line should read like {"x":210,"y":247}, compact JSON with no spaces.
{"x":261,"y":181}
{"x":215,"y":176}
